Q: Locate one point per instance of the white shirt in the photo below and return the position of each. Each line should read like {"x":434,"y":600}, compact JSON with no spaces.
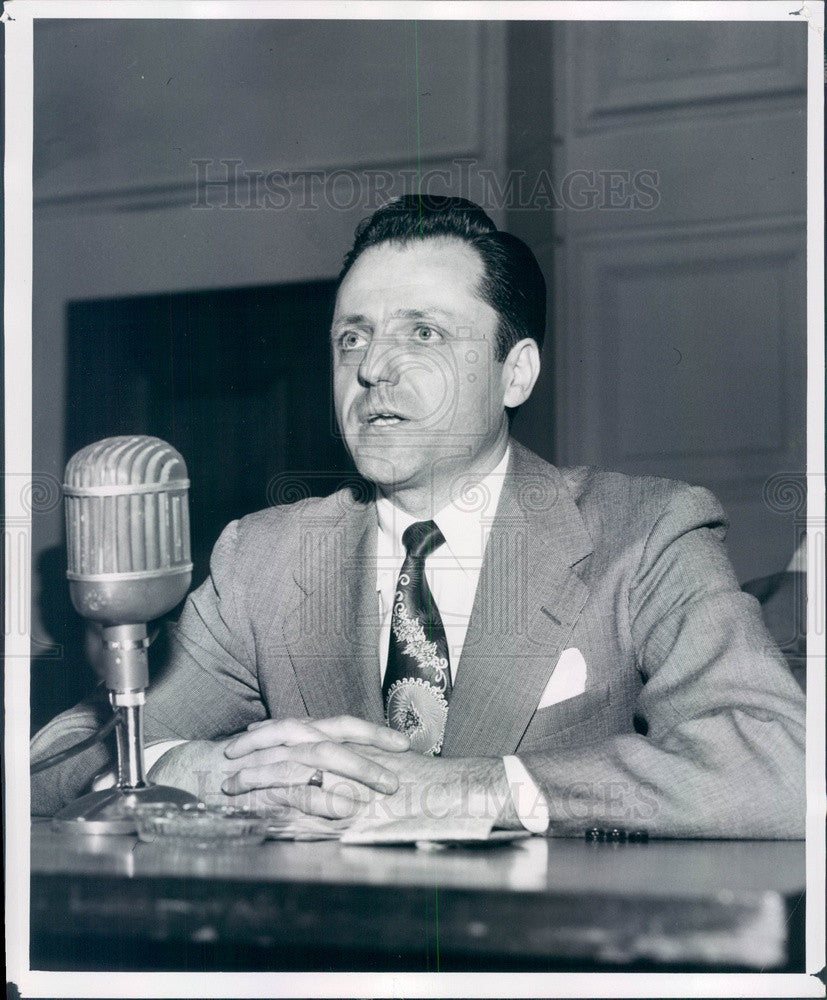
{"x":453,"y":572}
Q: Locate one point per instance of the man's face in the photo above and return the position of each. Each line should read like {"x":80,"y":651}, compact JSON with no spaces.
{"x":417,"y":390}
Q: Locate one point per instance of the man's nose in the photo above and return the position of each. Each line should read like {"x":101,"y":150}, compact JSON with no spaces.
{"x":379,"y":362}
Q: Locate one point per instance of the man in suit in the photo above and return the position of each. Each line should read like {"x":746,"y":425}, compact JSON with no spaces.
{"x":567,"y":646}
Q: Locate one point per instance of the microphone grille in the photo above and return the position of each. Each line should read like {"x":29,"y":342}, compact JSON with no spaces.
{"x":127,"y":507}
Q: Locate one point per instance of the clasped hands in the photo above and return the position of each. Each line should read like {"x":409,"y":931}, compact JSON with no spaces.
{"x":275,"y":759}
{"x":268,"y":768}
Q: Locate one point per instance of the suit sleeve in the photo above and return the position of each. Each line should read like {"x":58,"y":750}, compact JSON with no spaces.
{"x":206,"y":687}
{"x":723,"y":754}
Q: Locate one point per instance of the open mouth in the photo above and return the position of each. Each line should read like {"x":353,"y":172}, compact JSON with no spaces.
{"x":384,"y":419}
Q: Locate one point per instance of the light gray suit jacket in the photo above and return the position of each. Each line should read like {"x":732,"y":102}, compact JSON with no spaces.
{"x":689,"y":725}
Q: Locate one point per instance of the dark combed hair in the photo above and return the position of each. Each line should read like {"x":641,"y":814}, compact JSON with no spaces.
{"x":512,"y":283}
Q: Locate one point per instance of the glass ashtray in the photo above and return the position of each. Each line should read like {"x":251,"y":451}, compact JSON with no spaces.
{"x":199,"y":825}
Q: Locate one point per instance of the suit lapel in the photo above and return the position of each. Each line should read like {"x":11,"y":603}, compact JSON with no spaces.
{"x":333,"y":634}
{"x":527,"y":603}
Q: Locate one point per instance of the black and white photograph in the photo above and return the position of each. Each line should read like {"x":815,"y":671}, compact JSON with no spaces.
{"x":414,"y":499}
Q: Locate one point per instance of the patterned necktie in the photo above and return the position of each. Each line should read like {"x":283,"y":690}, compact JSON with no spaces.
{"x":417,"y":682}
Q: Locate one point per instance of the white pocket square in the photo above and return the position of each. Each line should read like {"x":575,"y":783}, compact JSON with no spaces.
{"x":568,"y":679}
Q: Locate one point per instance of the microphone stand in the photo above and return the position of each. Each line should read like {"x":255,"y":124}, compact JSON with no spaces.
{"x":111,"y":810}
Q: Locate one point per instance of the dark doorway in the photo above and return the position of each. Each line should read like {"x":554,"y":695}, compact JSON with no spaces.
{"x":237,"y":380}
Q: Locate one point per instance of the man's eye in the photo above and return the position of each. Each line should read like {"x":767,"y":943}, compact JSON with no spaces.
{"x":427,"y":333}
{"x":351,"y":340}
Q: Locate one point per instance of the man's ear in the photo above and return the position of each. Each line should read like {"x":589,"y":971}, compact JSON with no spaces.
{"x":520,"y":371}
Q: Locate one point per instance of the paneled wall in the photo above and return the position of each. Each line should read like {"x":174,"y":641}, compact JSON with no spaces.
{"x":677,"y":152}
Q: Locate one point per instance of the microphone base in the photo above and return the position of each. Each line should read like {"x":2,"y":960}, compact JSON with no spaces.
{"x":110,"y":810}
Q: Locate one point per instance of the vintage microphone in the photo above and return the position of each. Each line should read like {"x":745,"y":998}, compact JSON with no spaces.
{"x":128,"y":544}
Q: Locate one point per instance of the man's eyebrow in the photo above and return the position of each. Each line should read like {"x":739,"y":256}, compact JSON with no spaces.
{"x":354,"y":319}
{"x":427,"y":313}
{"x":357,"y":319}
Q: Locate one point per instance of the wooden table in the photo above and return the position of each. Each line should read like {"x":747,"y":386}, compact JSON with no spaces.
{"x":114,"y":903}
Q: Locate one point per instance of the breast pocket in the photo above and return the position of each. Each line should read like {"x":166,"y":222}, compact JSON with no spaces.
{"x":568,"y":722}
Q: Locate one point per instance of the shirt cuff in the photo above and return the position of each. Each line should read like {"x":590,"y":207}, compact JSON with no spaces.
{"x":152,"y":754}
{"x":529,"y":801}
